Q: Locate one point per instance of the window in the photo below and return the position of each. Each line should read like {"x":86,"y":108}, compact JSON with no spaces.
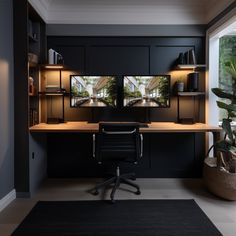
{"x":227,"y":50}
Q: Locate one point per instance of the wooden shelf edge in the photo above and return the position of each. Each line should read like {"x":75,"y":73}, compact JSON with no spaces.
{"x":190,"y":94}
{"x":59,"y":93}
{"x":54,"y":67}
{"x":190,"y":66}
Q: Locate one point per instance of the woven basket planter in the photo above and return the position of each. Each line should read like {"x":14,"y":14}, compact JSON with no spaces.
{"x":218,"y":181}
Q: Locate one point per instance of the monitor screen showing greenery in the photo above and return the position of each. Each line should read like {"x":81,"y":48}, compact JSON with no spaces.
{"x":147,"y":91}
{"x":93,"y":91}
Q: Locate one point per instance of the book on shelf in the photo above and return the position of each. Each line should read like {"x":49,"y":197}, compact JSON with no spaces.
{"x":192,"y":57}
{"x":33,"y":117}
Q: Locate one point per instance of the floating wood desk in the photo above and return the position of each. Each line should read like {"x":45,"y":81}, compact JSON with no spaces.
{"x":65,"y":135}
{"x":154,"y":127}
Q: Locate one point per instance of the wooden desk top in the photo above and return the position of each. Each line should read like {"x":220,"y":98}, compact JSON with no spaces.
{"x":154,"y":127}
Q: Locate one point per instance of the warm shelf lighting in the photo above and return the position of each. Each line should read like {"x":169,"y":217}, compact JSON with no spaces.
{"x":190,"y":66}
{"x":54,"y":66}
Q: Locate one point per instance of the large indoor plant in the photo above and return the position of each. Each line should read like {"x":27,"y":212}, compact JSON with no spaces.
{"x":220,"y":172}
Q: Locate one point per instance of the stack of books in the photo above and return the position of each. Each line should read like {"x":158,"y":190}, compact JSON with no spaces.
{"x":187,"y":58}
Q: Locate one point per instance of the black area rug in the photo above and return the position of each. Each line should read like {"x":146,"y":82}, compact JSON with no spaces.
{"x":124,"y":218}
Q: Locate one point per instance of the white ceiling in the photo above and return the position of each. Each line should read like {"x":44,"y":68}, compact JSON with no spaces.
{"x":150,"y":12}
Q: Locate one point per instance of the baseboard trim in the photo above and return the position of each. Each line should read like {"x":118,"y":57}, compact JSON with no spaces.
{"x":7,"y":199}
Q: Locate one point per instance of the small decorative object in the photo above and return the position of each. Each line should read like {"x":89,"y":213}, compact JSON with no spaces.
{"x":33,"y":58}
{"x":54,"y":57}
{"x":179,"y":86}
{"x":219,"y":172}
{"x":193,"y":82}
{"x":31,"y":86}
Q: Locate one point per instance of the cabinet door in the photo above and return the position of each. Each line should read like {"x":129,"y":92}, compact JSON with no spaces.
{"x":70,"y":155}
{"x":172,"y":155}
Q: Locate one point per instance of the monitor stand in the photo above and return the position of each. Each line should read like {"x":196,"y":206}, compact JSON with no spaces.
{"x":144,"y":123}
{"x":142,"y":116}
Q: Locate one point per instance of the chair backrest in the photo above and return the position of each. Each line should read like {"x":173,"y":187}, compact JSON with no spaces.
{"x":118,"y":142}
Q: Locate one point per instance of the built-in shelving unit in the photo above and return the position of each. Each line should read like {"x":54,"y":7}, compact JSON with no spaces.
{"x":29,"y":52}
{"x":52,"y":90}
{"x":194,"y":95}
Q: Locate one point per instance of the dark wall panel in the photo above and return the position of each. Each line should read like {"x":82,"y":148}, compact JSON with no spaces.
{"x":125,"y":55}
{"x":163,"y":58}
{"x":118,"y":60}
{"x":74,"y":56}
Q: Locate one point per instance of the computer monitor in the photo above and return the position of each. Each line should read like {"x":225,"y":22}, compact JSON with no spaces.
{"x":93,"y":91}
{"x":146,"y":91}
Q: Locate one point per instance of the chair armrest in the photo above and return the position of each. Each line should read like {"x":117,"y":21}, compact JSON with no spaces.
{"x":94,"y":144}
{"x":141,"y":145}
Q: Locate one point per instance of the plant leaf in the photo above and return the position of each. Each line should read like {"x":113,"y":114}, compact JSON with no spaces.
{"x":233,"y":149}
{"x":232,"y":114}
{"x":227,"y":128}
{"x":228,"y":107}
{"x":222,"y":94}
{"x":223,"y":145}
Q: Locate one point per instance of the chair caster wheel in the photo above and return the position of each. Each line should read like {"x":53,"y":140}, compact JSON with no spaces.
{"x":95,"y":192}
{"x":138,"y":192}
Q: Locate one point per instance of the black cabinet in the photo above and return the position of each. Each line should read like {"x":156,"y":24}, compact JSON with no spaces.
{"x":166,"y":155}
{"x":172,"y":155}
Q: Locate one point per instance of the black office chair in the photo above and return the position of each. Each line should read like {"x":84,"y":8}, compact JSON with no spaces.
{"x":116,"y":143}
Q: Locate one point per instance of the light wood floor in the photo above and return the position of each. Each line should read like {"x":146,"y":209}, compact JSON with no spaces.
{"x":222,"y":213}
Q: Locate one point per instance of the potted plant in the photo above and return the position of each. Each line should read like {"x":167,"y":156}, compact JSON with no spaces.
{"x":220,"y":172}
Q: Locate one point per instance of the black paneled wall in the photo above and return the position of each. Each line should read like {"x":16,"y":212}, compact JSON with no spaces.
{"x":165,"y":155}
{"x":127,"y":56}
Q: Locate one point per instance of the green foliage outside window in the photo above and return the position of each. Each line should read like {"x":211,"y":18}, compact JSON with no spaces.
{"x":227,"y":51}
